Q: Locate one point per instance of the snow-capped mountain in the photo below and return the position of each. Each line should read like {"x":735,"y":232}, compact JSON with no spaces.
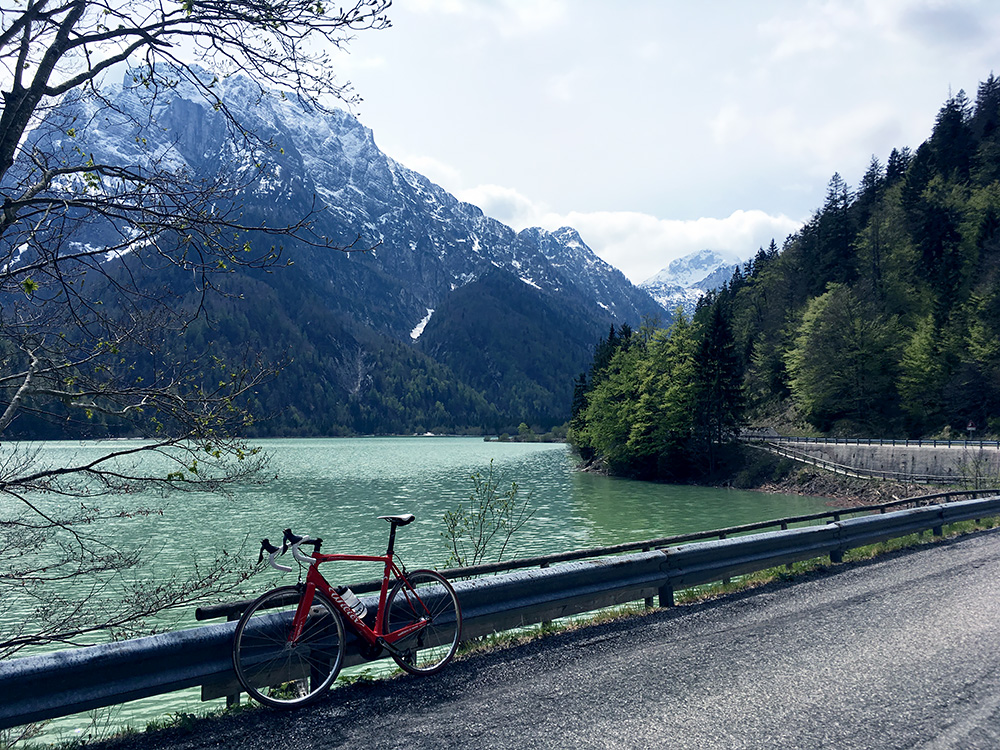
{"x":687,"y":279}
{"x":421,"y":234}
{"x":424,"y":252}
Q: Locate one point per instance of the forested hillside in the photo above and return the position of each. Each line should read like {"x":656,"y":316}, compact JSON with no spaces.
{"x":880,"y":317}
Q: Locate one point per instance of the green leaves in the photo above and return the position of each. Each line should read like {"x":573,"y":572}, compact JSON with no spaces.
{"x":640,"y":410}
{"x":842,"y":364}
{"x":29,"y":286}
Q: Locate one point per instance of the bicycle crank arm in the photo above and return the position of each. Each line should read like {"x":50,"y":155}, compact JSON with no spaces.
{"x":391,"y":648}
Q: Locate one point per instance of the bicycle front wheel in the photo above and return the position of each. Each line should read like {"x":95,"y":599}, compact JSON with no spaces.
{"x":424,"y":596}
{"x":280,"y":672}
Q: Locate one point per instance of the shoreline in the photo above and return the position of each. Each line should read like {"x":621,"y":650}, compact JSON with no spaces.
{"x":847,"y":492}
{"x":839,"y":491}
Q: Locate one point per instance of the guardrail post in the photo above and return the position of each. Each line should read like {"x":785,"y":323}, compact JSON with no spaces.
{"x":725,"y":581}
{"x":649,"y":600}
{"x":836,"y":556}
{"x":784,"y":527}
{"x":234,"y":699}
{"x":545,"y":623}
{"x":666,"y":596}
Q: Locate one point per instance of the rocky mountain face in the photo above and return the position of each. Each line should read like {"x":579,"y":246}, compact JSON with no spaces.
{"x":498,"y":322}
{"x":686,"y":280}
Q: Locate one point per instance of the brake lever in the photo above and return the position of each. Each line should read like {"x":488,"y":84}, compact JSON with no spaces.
{"x":290,"y":539}
{"x":265,"y":546}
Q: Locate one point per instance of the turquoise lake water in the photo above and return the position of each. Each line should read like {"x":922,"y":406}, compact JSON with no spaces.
{"x":336,"y":488}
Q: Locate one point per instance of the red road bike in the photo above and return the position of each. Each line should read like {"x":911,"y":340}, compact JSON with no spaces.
{"x":289,"y":644}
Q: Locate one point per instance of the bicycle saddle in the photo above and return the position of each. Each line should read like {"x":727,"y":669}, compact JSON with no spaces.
{"x":401,"y":520}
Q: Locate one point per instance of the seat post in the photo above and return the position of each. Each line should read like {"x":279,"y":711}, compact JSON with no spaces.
{"x":394,"y":521}
{"x":392,"y":538}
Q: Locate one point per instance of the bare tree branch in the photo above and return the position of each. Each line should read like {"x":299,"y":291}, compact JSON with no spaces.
{"x":107,"y":258}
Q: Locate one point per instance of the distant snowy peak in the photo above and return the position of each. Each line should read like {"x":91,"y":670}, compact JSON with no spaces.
{"x":692,"y":269}
{"x":685,"y":280}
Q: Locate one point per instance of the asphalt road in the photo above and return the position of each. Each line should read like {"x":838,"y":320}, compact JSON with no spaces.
{"x":896,"y":653}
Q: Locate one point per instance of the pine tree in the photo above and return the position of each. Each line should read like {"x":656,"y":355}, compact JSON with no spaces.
{"x":986,"y":116}
{"x":718,"y":382}
{"x":835,"y":230}
{"x":952,"y":140}
{"x":895,"y":168}
{"x":871,"y":187}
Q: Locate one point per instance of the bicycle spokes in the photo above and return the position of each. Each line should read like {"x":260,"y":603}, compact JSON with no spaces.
{"x":426,"y":603}
{"x":280,"y":671}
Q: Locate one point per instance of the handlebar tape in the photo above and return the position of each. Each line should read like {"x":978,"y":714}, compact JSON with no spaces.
{"x":292,"y":538}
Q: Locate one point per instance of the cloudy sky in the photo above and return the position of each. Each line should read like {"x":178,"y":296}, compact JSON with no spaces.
{"x":660,"y":127}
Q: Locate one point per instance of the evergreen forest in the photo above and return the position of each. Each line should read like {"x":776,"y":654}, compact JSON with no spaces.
{"x":880,"y":317}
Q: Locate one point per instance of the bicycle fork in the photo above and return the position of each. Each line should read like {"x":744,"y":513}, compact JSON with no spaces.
{"x":302,"y":613}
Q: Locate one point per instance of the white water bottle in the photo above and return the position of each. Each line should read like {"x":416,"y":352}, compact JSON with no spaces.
{"x":352,"y":601}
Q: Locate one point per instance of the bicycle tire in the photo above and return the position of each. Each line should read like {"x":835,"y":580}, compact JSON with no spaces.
{"x":283,"y":675}
{"x":430,"y":648}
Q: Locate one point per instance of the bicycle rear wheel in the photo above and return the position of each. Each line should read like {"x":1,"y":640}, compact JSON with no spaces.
{"x":277,"y":672}
{"x":424,"y":595}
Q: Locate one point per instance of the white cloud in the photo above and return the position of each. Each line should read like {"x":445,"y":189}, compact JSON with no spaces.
{"x":835,"y":26}
{"x":435,"y":170}
{"x":824,"y":143}
{"x":504,"y":204}
{"x":816,"y":29}
{"x":638,"y":244}
{"x":562,"y":86}
{"x":508,"y":17}
{"x":648,"y":52}
{"x":728,"y":125}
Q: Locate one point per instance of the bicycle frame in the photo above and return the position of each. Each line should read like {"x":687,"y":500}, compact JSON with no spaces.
{"x":373,"y":636}
{"x":418,"y":623}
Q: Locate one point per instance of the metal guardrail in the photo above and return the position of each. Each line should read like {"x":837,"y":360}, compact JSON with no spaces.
{"x":750,"y":436}
{"x":46,"y":686}
{"x":855,"y":471}
{"x":234,"y":609}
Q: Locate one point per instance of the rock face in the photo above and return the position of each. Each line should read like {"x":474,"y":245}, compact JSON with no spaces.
{"x":686,"y":280}
{"x":431,"y":267}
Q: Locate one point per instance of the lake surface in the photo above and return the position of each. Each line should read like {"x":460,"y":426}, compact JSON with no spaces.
{"x":336,"y":488}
